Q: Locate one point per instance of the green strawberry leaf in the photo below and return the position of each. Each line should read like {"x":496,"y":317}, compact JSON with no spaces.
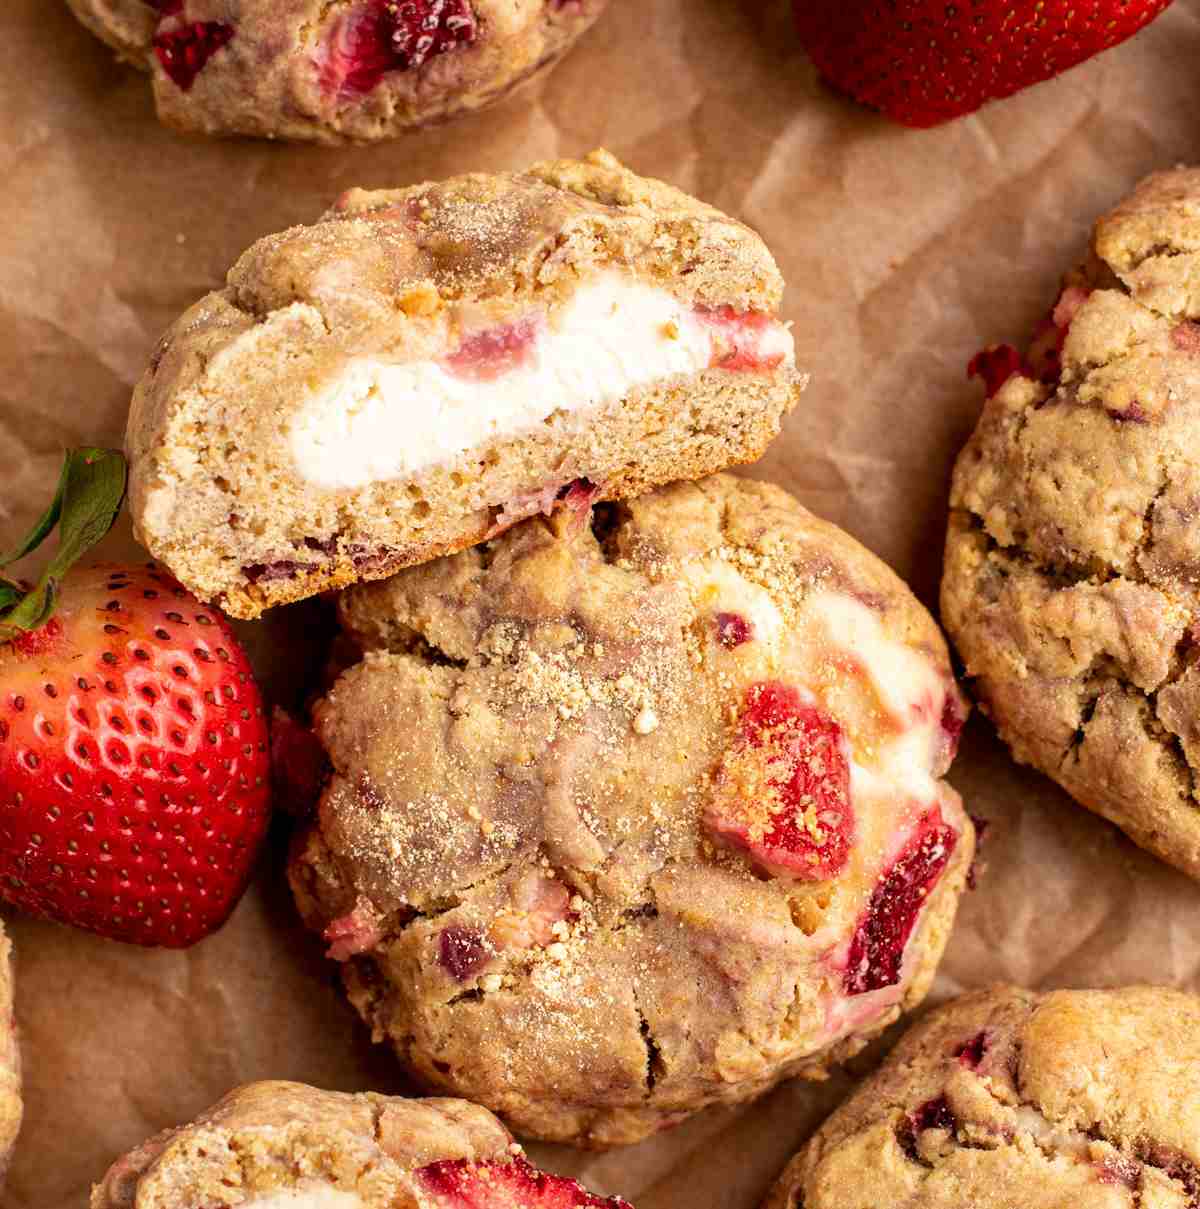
{"x":41,"y":530}
{"x":85,"y":506}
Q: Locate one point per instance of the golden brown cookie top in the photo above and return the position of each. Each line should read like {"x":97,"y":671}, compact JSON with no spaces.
{"x":693,"y":739}
{"x":278,"y":1145}
{"x":1011,"y":1098}
{"x":1073,"y":560}
{"x":332,"y":71}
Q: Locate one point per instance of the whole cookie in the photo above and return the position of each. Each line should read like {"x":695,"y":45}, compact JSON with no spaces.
{"x":1073,"y":556}
{"x":289,"y":1146}
{"x":350,"y":70}
{"x":11,"y":1107}
{"x":423,"y":367}
{"x":1011,"y":1099}
{"x":638,"y":810}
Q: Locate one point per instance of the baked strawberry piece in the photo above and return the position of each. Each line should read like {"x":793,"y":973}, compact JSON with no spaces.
{"x":357,"y":70}
{"x":424,"y":367}
{"x":1013,"y":1097}
{"x":923,"y":62}
{"x":290,"y":1146}
{"x":133,"y":747}
{"x":638,"y":811}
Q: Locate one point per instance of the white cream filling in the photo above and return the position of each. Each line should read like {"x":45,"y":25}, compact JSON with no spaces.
{"x":382,"y":420}
{"x":719,"y":588}
{"x":310,"y":1195}
{"x":907,"y":686}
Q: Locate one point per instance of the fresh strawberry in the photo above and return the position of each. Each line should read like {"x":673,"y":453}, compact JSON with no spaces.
{"x":511,"y":1184}
{"x":923,"y":62}
{"x":133,"y":747}
{"x":783,"y":792}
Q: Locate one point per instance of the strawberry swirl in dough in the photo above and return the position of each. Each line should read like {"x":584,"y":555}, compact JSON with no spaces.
{"x":333,"y":70}
{"x":637,"y":809}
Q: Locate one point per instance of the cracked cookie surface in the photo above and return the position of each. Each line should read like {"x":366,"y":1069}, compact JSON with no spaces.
{"x":277,"y":1145}
{"x":333,"y":71}
{"x":1011,"y":1099}
{"x":637,"y":809}
{"x":423,"y":367}
{"x":1073,"y":555}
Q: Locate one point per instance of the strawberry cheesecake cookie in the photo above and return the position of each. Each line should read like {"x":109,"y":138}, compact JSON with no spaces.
{"x":424,"y":367}
{"x":1072,"y":575}
{"x":1009,"y":1098}
{"x":332,"y":71}
{"x":11,"y":1108}
{"x":290,"y":1146}
{"x":637,"y":810}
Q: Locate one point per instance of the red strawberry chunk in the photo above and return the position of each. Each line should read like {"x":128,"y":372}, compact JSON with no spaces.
{"x":577,"y":496}
{"x":1186,"y":337}
{"x":733,"y":629}
{"x":381,"y":36}
{"x":486,"y":354}
{"x":739,"y":338}
{"x":353,"y":933}
{"x":934,"y":1114}
{"x":995,"y":365}
{"x":539,"y":904}
{"x":168,"y":8}
{"x":1046,"y":348}
{"x":877,"y":948}
{"x":185,"y":50}
{"x":783,"y":792}
{"x":462,"y":952}
{"x":499,"y":1184}
{"x":971,"y":1053}
{"x":1119,"y":1170}
{"x":953,"y":719}
{"x":299,"y":765}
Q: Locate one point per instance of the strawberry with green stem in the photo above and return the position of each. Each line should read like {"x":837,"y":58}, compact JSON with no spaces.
{"x":134,"y":788}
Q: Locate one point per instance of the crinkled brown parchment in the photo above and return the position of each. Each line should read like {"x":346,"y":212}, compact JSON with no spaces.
{"x":904,"y":252}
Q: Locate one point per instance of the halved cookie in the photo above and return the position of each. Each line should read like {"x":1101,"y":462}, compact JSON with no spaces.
{"x":424,"y":367}
{"x":278,"y":1145}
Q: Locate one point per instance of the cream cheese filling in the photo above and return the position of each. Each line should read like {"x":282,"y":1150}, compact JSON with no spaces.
{"x":309,"y":1195}
{"x":382,"y":420}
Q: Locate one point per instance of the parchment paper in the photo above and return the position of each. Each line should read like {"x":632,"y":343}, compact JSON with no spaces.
{"x":904,"y":253}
